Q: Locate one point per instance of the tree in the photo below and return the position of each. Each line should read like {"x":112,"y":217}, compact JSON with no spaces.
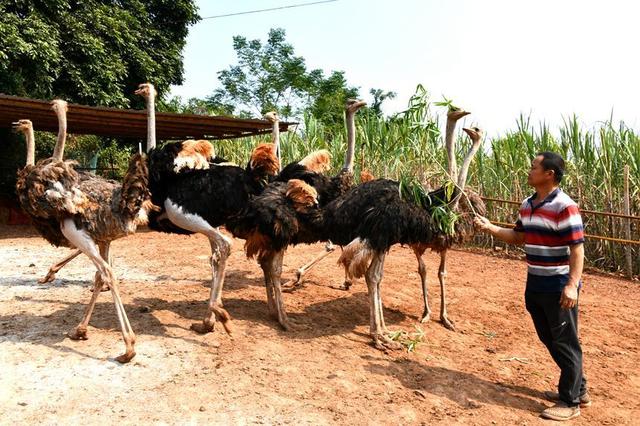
{"x":267,"y":77}
{"x":92,"y":52}
{"x":270,"y":76}
{"x":379,"y":96}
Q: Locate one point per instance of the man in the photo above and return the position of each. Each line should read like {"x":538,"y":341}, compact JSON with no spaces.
{"x":550,"y":227}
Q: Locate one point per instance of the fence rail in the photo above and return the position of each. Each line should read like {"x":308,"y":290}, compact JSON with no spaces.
{"x":609,"y":214}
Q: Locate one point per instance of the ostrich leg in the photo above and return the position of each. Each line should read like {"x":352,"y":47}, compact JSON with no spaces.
{"x":442,"y":273}
{"x":51,"y":275}
{"x":275,"y":273}
{"x":220,"y":251}
{"x":300,"y":273}
{"x":376,"y":315}
{"x":85,"y":244}
{"x":422,"y":270}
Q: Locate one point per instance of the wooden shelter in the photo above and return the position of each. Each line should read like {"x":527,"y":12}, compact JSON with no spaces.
{"x":114,"y":122}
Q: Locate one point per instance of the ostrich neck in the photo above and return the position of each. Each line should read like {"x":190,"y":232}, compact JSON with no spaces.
{"x":452,"y":167}
{"x":462,"y":178}
{"x":351,"y":141}
{"x":58,"y":151}
{"x":31,"y":147}
{"x":275,"y":133}
{"x":151,"y":122}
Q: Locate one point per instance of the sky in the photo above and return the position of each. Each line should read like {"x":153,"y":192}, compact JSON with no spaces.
{"x":547,"y":59}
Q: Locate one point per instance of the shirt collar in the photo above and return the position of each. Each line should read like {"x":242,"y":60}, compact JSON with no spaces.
{"x":553,"y":194}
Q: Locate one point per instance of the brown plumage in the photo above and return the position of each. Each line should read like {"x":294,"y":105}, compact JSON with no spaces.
{"x":366,"y":176}
{"x":264,"y":160}
{"x":302,"y":195}
{"x":194,"y":155}
{"x":318,"y":161}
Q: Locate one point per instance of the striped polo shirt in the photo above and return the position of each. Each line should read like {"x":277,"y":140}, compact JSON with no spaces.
{"x":550,"y":228}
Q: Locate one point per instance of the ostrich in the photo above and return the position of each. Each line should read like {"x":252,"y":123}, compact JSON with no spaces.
{"x":377,"y":215}
{"x":90,"y":213}
{"x":151,"y":94}
{"x":197,"y":194}
{"x":351,"y":107}
{"x":356,"y":255}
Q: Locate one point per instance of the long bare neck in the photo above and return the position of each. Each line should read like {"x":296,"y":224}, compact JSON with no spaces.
{"x":452,"y":166}
{"x":351,"y":141}
{"x":464,"y":170}
{"x":275,"y":133}
{"x":31,"y":146}
{"x":58,"y":151}
{"x":151,"y":121}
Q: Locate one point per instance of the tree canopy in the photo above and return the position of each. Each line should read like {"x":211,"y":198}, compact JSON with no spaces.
{"x":92,"y":52}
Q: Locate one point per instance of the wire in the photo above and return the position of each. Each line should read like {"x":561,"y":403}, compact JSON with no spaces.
{"x":268,"y":10}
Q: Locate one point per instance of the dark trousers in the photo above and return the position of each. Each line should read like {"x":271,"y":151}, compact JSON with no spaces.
{"x":557,"y":328}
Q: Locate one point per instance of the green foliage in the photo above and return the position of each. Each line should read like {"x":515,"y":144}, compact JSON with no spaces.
{"x":114,"y":160}
{"x":270,"y":77}
{"x":443,"y":216}
{"x":92,"y":52}
{"x":408,"y":340}
{"x":379,"y":96}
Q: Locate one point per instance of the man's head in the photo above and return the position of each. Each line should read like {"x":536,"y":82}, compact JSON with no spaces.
{"x":547,"y":168}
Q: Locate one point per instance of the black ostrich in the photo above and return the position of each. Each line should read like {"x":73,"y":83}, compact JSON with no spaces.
{"x":356,"y":248}
{"x":376,"y":217}
{"x":197,"y":193}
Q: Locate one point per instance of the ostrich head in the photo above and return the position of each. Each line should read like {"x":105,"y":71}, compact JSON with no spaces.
{"x":354,"y":105}
{"x":475,"y":133}
{"x":26,"y":127}
{"x":456,"y":114}
{"x":22,"y":126}
{"x":272,"y":117}
{"x":146,"y":90}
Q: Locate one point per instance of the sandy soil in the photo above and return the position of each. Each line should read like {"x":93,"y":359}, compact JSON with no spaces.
{"x":492,"y":370}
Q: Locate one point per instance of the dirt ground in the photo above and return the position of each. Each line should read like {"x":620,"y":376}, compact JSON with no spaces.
{"x":492,"y":370}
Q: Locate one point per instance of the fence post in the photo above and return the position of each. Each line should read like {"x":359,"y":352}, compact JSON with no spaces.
{"x":627,"y":222}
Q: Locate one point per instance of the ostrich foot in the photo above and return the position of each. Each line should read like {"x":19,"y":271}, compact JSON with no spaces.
{"x":202,"y":327}
{"x":105,"y":287}
{"x":291,"y":285}
{"x":78,"y":333}
{"x":426,"y":316}
{"x":447,"y":323}
{"x":126,"y":357}
{"x":346,"y":286}
{"x":51,"y":275}
{"x":384,"y":343}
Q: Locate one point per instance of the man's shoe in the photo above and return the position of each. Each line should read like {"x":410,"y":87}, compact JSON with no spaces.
{"x":585,"y":400}
{"x":561,"y":412}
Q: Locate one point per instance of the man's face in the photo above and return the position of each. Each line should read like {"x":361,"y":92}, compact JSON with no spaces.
{"x":537,"y":174}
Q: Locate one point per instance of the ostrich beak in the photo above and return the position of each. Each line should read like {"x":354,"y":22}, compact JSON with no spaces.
{"x":457,"y":114}
{"x":474,"y":133}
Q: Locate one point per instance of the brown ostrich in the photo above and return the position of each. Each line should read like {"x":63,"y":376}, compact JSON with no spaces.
{"x":90,"y":213}
{"x":149,"y":92}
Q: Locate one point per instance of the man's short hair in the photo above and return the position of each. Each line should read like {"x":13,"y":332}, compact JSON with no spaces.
{"x":552,"y":161}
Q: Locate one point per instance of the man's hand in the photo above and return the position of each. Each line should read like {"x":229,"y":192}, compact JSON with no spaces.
{"x":569,"y":297}
{"x":482,"y":223}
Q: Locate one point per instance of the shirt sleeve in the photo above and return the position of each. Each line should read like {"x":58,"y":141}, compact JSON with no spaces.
{"x":570,"y":227}
{"x":519,"y":226}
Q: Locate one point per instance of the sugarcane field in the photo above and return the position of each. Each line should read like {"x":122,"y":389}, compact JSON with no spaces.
{"x":319,"y":213}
